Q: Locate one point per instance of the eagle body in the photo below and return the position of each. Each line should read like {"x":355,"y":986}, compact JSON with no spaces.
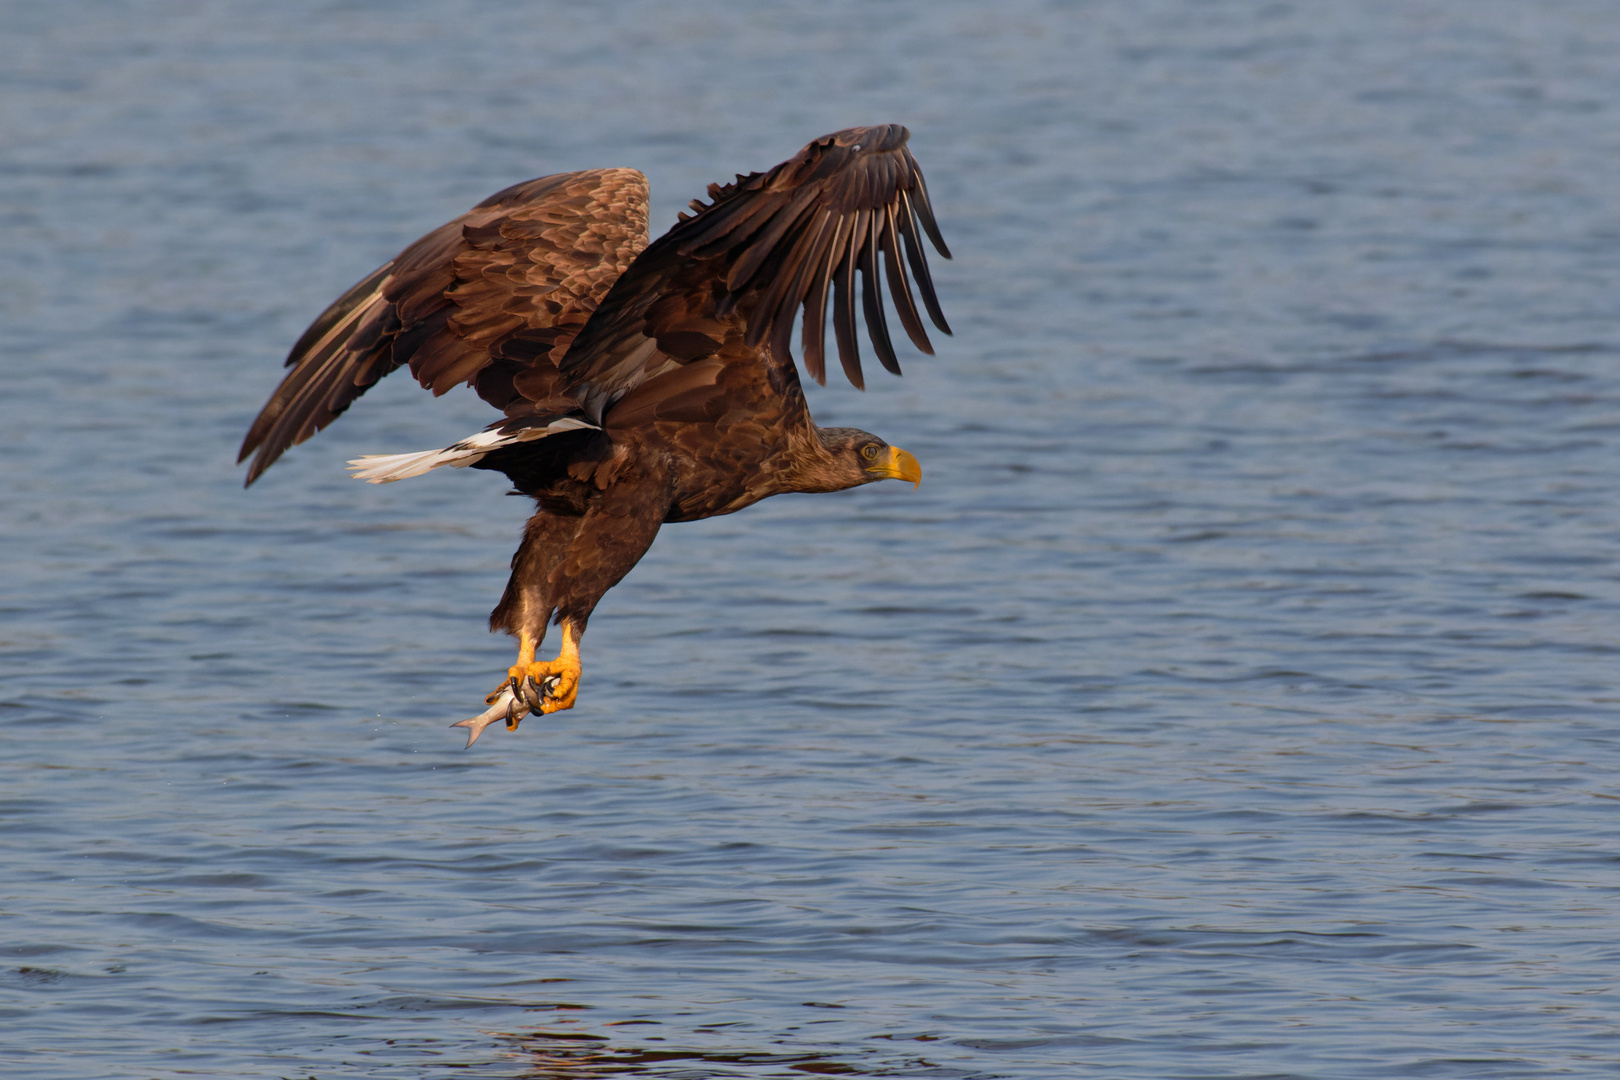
{"x":638,"y":383}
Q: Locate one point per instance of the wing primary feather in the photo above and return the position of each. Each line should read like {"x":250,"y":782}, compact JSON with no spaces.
{"x":312,"y":353}
{"x":764,"y":243}
{"x":270,"y":427}
{"x":925,"y":209}
{"x":339,"y":310}
{"x":899,"y":287}
{"x":291,"y":423}
{"x":877,"y":325}
{"x":316,"y":390}
{"x":784,"y":292}
{"x":919,"y":264}
{"x":781,"y":340}
{"x":775,"y":310}
{"x":844,"y":302}
{"x":300,"y":421}
{"x":814,"y":339}
{"x":722,"y":227}
{"x":788,"y":291}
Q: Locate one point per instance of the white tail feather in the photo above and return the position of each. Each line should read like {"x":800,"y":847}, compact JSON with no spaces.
{"x":386,"y":468}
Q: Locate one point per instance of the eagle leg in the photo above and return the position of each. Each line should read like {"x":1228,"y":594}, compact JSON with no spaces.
{"x":563,"y":566}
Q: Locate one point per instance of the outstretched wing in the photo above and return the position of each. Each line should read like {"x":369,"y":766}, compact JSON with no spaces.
{"x":761,"y":249}
{"x":494,"y":297}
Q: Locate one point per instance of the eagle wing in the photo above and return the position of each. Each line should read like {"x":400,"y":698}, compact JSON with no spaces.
{"x":494,"y":297}
{"x":760,"y":250}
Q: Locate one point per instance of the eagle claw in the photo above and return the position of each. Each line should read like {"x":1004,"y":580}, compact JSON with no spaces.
{"x":535,"y":691}
{"x":516,"y":710}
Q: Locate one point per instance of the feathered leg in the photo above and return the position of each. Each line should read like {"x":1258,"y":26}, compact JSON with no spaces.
{"x":525,"y":609}
{"x":563,"y":568}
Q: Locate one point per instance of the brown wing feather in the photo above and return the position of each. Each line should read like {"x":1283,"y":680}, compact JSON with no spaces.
{"x":761,"y":249}
{"x":494,"y":297}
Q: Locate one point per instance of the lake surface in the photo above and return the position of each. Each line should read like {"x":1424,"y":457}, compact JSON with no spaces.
{"x":1237,"y":697}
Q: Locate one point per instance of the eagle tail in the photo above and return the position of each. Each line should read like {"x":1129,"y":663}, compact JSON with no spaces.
{"x":386,"y":468}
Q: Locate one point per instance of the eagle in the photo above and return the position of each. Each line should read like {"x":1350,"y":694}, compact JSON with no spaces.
{"x":639,"y":383}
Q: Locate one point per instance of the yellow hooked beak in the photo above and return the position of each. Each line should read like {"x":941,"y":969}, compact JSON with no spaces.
{"x":894,"y":463}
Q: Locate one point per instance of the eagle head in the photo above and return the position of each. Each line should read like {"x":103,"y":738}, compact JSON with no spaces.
{"x":859,"y":457}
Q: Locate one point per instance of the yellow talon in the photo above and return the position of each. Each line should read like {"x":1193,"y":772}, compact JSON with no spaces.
{"x":555,"y":683}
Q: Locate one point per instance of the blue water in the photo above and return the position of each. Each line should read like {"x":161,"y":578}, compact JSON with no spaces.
{"x":1236,"y":698}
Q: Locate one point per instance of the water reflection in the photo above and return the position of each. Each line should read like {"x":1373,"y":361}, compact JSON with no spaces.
{"x":554,"y":1055}
{"x":575,"y":1048}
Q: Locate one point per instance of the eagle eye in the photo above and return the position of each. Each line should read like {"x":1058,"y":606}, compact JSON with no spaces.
{"x":869,"y":452}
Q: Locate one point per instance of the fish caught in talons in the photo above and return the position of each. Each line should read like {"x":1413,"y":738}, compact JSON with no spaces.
{"x":512,"y":702}
{"x":500,"y":707}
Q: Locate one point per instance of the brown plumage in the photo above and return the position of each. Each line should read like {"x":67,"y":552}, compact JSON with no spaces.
{"x":640,"y":383}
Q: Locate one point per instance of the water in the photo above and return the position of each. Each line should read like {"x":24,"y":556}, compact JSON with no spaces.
{"x":1236,"y":698}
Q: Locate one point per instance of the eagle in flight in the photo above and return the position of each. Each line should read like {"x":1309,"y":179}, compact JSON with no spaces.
{"x":640,"y":382}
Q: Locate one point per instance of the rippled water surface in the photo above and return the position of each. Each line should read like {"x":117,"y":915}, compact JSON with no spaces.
{"x":1237,"y":698}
